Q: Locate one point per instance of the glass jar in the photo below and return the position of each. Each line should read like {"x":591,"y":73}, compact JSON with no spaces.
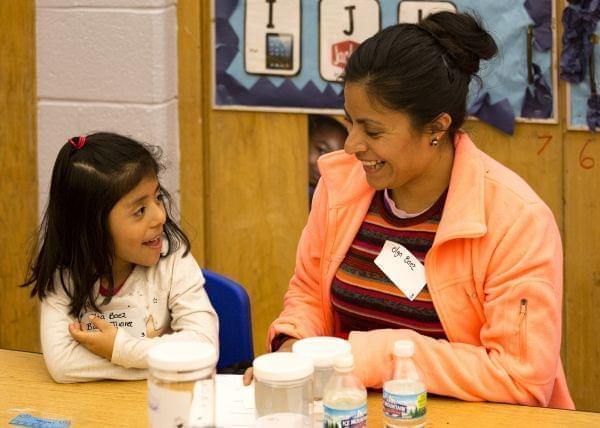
{"x":283,"y":390}
{"x":322,"y":351}
{"x":181,"y":384}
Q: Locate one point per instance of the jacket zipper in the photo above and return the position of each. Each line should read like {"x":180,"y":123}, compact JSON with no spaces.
{"x":522,"y":328}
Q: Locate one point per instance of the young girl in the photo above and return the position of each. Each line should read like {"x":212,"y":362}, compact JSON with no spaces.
{"x":113,"y":271}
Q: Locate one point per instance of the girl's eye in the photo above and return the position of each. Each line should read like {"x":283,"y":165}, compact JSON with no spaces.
{"x":160,"y":197}
{"x":140,"y":212}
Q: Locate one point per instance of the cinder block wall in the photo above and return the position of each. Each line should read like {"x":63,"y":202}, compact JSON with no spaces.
{"x":107,"y":65}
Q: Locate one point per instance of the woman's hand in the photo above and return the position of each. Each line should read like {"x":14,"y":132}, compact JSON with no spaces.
{"x":285,"y":347}
{"x":99,"y":342}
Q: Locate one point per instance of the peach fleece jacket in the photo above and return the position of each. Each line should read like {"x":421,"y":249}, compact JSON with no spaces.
{"x":494,"y":273}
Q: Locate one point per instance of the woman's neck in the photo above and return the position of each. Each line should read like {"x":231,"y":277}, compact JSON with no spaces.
{"x":421,"y":193}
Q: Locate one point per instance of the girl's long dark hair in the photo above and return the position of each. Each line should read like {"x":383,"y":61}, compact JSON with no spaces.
{"x":74,"y":235}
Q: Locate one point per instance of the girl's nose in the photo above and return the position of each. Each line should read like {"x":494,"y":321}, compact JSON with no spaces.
{"x":160,"y":214}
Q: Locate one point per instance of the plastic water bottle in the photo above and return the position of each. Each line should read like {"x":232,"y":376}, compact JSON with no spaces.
{"x":344,"y":397}
{"x":405,"y":395}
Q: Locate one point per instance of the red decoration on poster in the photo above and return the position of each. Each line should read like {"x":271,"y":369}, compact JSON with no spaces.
{"x":340,"y":52}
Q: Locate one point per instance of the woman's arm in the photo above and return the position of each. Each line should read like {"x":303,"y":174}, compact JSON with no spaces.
{"x":302,"y":314}
{"x":519,"y":354}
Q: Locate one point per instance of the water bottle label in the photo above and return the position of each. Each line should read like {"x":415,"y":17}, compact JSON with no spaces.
{"x":400,"y":406}
{"x":345,"y":418}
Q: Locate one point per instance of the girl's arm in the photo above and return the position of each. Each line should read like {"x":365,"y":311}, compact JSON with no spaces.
{"x":192,"y":315}
{"x":66,"y":359}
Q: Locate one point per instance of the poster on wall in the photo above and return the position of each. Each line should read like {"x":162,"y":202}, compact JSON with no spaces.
{"x":579,"y":63}
{"x":289,"y":55}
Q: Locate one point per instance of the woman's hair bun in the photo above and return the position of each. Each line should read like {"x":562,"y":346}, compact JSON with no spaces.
{"x":463,"y":37}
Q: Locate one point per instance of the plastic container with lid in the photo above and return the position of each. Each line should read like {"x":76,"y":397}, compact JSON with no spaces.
{"x":321,"y":350}
{"x":283,"y":390}
{"x":181,"y":384}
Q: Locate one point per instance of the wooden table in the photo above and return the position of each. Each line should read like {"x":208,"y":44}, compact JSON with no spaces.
{"x":26,"y":387}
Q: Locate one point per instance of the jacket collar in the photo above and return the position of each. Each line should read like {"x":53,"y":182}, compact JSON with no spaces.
{"x":464,"y":211}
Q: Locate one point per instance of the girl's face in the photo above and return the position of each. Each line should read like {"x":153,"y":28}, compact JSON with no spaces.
{"x":136,"y":225}
{"x":393,"y":154}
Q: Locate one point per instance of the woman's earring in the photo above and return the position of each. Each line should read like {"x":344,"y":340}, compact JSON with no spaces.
{"x":434,"y":141}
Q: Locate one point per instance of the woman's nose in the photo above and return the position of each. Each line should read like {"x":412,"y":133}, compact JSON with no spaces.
{"x":354,"y":143}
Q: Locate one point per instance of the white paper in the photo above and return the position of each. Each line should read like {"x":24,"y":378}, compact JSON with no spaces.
{"x":235,"y":402}
{"x":402,"y":268}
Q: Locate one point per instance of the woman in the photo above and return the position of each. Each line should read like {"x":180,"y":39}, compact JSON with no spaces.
{"x":485,"y":315}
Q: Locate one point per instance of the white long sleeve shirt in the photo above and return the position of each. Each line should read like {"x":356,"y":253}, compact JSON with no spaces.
{"x":166,"y":302}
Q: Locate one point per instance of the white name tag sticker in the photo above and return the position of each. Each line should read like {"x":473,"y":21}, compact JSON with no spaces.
{"x":402,"y":268}
{"x":129,"y":319}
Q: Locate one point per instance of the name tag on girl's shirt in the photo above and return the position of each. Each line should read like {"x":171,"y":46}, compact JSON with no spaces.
{"x":402,"y":268}
{"x":130,"y":319}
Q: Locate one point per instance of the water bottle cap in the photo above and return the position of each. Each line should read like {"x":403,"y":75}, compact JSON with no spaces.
{"x":404,"y":348}
{"x":344,"y":362}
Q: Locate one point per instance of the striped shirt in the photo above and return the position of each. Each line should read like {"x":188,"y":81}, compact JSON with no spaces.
{"x":363,"y":297}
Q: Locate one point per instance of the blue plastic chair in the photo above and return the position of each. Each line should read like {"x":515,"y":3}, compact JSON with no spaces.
{"x":232,"y":305}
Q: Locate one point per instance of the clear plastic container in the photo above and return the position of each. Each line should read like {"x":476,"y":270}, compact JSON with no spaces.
{"x":405,"y":395}
{"x":181,"y":384}
{"x":321,"y":350}
{"x":345,"y":397}
{"x":283,"y":390}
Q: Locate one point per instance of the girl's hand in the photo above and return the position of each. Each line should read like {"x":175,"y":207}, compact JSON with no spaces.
{"x":99,"y":342}
{"x":285,"y":347}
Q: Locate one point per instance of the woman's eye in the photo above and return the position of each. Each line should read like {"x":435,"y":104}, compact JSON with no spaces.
{"x":160,"y":197}
{"x":140,"y":212}
{"x":373,"y":134}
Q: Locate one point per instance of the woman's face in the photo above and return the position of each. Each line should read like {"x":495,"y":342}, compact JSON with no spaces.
{"x":393,"y":154}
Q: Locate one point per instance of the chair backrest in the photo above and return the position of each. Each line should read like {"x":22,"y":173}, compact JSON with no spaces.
{"x":232,"y":304}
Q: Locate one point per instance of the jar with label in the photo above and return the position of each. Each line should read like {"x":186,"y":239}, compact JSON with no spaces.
{"x":283,"y":390}
{"x":181,"y":384}
{"x":321,"y":350}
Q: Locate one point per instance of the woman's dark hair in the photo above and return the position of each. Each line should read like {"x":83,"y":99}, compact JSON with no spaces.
{"x":86,"y":184}
{"x":423,"y":69}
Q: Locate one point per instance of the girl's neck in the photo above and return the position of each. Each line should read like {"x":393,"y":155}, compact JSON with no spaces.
{"x":423,"y":192}
{"x":119,"y":275}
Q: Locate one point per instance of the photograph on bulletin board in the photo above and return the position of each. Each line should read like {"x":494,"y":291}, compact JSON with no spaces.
{"x":289,"y":55}
{"x":579,"y":63}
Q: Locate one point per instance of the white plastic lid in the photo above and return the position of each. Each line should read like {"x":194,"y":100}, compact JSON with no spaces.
{"x":322,"y":350}
{"x":344,"y":362}
{"x":282,"y":366}
{"x":404,"y":348}
{"x":182,"y":356}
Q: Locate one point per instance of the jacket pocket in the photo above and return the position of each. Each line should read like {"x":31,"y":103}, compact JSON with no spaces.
{"x":521,"y":330}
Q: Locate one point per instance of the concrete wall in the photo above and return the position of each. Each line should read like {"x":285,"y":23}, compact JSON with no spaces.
{"x":107,"y":65}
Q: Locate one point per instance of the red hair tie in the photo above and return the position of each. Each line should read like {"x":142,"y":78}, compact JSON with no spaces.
{"x":80,"y":142}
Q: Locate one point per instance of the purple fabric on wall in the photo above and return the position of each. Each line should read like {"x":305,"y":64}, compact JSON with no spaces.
{"x":540,"y":12}
{"x":538,"y":97}
{"x":579,"y":24}
{"x":500,"y":114}
{"x":593,"y":112}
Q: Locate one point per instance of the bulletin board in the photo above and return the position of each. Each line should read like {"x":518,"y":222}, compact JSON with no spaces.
{"x":287,"y":55}
{"x":578,"y":96}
